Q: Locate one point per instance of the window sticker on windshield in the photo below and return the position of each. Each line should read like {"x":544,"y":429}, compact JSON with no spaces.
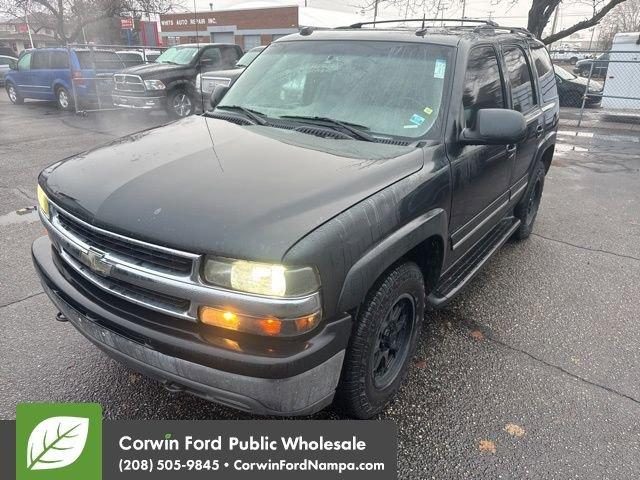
{"x":417,"y":119}
{"x":441,"y":66}
{"x":411,"y":126}
{"x":428,"y":110}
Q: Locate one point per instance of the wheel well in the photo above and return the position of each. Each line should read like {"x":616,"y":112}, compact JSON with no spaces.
{"x":428,"y":255}
{"x":546,"y":158}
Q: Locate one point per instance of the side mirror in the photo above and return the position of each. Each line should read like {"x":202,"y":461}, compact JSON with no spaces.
{"x":205,"y":62}
{"x":218,"y":92}
{"x":495,"y":126}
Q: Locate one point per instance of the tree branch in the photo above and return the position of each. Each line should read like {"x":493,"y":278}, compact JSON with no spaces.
{"x":582,"y":25}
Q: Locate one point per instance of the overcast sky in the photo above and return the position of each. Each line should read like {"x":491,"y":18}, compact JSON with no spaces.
{"x":502,"y":11}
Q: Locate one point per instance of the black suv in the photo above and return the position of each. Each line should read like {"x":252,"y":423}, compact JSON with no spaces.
{"x":280,"y":252}
{"x":170,"y":81}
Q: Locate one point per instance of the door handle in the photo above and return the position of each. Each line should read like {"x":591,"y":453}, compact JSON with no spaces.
{"x":512,"y":148}
{"x":539,"y":130}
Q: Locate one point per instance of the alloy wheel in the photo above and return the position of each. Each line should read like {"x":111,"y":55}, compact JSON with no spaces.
{"x":392,"y":342}
{"x":63,"y":99}
{"x":13,"y":96}
{"x":182,"y":105}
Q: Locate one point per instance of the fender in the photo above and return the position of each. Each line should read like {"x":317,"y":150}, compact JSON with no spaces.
{"x":180,"y":83}
{"x":385,"y":253}
{"x":549,"y":140}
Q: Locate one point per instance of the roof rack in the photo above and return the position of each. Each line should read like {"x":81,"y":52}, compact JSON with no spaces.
{"x":520,"y":30}
{"x":468,"y":20}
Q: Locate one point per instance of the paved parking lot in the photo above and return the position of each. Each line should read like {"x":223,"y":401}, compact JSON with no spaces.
{"x":534,"y":372}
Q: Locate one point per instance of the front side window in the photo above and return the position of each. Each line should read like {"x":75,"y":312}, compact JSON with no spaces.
{"x":25,"y":61}
{"x":178,"y":55}
{"x":520,"y":78}
{"x":482,"y":84}
{"x":388,"y":88}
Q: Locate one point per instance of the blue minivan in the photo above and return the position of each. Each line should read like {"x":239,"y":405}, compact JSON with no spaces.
{"x":48,"y":73}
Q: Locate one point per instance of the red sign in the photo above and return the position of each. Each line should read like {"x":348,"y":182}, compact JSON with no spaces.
{"x":126,"y":23}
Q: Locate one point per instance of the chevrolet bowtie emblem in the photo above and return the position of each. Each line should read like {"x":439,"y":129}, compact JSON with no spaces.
{"x":96,"y":261}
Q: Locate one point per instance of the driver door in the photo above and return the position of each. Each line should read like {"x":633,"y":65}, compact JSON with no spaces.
{"x":480,"y":173}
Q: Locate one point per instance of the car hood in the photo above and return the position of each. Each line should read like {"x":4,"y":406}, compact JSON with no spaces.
{"x":210,"y":186}
{"x":582,"y":82}
{"x":147,"y":70}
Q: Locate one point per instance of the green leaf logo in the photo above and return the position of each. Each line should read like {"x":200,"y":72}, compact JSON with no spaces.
{"x":56,"y":442}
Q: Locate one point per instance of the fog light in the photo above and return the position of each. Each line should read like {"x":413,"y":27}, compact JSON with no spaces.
{"x":268,"y":326}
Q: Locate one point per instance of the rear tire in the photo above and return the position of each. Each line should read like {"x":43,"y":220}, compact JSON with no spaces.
{"x":13,"y":94}
{"x":527,"y":208}
{"x":64,"y":99}
{"x":383,"y":342}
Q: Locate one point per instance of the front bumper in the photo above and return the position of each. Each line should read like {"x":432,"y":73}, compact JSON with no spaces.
{"x":138,"y":102}
{"x":293,"y":382}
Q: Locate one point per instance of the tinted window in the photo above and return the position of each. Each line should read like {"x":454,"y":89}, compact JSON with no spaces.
{"x":230,"y":57}
{"x":482,"y":84}
{"x":544,"y":68}
{"x":40,"y":60}
{"x":520,"y":77}
{"x":59,"y":60}
{"x":213,"y":55}
{"x":102,"y":60}
{"x":25,"y":61}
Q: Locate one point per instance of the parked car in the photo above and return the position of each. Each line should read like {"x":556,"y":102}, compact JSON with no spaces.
{"x":8,"y":51}
{"x":5,"y":66}
{"x":131,"y":58}
{"x":170,"y":82}
{"x":570,"y":56}
{"x":279,"y":252}
{"x":571,"y":89}
{"x":52,"y":74}
{"x":600,"y":66}
{"x":206,"y":83}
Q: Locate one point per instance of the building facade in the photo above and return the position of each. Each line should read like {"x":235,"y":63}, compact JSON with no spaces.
{"x":246,"y":27}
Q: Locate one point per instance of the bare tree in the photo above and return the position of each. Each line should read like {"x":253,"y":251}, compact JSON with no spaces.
{"x":67,"y":18}
{"x":540,"y":13}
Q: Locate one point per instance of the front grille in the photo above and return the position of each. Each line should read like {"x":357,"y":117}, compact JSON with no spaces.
{"x":117,"y":288}
{"x":128,"y":83}
{"x":134,"y":253}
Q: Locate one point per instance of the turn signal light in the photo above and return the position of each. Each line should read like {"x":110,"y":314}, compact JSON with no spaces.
{"x":268,"y":326}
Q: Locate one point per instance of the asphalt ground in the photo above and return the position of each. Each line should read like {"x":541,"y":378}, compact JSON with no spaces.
{"x":533,"y":372}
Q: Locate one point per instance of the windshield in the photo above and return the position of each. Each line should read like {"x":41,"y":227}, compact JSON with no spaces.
{"x":248,"y":57}
{"x":389,"y":88}
{"x":178,"y":55}
{"x":563,"y":74}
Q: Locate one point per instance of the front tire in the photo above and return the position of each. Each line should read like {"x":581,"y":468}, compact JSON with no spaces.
{"x":13,"y":94}
{"x":64,"y":99}
{"x":383,"y":342}
{"x":180,"y":104}
{"x":527,"y":208}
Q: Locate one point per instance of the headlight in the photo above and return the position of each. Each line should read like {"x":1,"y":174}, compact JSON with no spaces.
{"x":43,"y":202}
{"x":208,"y":84}
{"x":261,"y":278}
{"x":154,"y":85}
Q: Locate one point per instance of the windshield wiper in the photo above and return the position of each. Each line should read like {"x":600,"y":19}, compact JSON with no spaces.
{"x":353,"y":128}
{"x":257,"y":117}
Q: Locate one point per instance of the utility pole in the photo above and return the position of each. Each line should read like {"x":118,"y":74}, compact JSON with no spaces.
{"x":26,"y":19}
{"x":464,"y":8}
{"x":554,"y":24}
{"x":375,"y":12}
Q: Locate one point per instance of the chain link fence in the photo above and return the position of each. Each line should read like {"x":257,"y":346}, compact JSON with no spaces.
{"x":92,"y":68}
{"x":600,"y":85}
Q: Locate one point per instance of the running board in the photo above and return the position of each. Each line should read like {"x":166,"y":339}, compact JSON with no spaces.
{"x":468,"y":266}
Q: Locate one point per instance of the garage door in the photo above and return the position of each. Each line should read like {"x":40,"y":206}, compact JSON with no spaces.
{"x":223,"y":37}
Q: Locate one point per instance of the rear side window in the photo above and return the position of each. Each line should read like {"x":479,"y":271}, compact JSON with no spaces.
{"x":59,"y":60}
{"x":520,"y":77}
{"x":40,"y":60}
{"x":482,"y":84}
{"x":99,"y":60}
{"x":546,"y":77}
